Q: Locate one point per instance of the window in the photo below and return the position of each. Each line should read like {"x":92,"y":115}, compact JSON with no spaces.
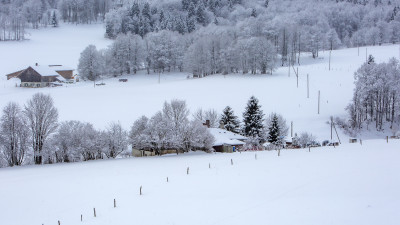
{"x":26,"y":85}
{"x":37,"y":85}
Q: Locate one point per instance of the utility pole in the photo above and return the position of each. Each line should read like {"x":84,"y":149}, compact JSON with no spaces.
{"x":319,"y":100}
{"x":308,"y":86}
{"x":331,"y":126}
{"x":291,"y":129}
{"x":366,"y":54}
{"x":297,"y":75}
{"x":330,"y":52}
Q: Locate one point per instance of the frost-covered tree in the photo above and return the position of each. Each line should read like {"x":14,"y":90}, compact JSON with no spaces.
{"x":116,"y":140}
{"x":230,"y":121}
{"x":42,"y":118}
{"x":276,"y":128}
{"x":253,"y":118}
{"x":211,"y":115}
{"x":90,"y":63}
{"x":14,"y":135}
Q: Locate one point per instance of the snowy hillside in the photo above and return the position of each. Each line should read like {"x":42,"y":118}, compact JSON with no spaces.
{"x":347,"y":185}
{"x":143,"y":95}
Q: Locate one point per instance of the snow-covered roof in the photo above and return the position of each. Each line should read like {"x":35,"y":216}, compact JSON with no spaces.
{"x":60,"y":68}
{"x":226,"y":137}
{"x":45,"y":71}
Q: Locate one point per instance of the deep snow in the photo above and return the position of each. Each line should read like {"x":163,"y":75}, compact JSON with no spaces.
{"x":346,"y":185}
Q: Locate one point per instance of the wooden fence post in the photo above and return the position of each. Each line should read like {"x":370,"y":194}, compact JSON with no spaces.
{"x":231,"y":162}
{"x":140,"y":190}
{"x":187,"y":170}
{"x":81,"y":217}
{"x":115,"y":203}
{"x":59,"y":223}
{"x":255,"y":156}
{"x":94,"y":212}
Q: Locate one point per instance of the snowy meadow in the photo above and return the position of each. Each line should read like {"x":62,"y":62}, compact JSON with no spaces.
{"x":349,"y":184}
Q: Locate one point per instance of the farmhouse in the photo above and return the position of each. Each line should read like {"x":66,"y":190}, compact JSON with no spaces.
{"x":226,"y":141}
{"x":42,"y":76}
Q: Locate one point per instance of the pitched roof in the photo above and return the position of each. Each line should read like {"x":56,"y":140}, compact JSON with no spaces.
{"x":226,"y":137}
{"x":45,"y":71}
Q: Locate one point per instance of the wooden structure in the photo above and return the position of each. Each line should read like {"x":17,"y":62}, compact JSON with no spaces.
{"x":42,"y":76}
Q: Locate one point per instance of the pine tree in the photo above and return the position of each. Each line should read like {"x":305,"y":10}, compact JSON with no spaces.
{"x":274,"y":131}
{"x":371,"y":59}
{"x":253,"y":119}
{"x":201,"y":14}
{"x":191,"y":10}
{"x":54,"y":20}
{"x":266,"y":3}
{"x":254,"y":13}
{"x":190,"y":24}
{"x":230,"y":121}
{"x":146,"y":11}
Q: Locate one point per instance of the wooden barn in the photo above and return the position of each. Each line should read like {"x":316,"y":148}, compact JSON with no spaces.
{"x":42,"y":76}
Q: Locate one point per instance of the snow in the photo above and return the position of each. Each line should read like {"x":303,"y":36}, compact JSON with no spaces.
{"x":144,"y":95}
{"x":350,"y":184}
{"x":226,"y":137}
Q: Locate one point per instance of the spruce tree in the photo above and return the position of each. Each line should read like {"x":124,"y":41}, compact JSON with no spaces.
{"x":274,"y":131}
{"x":253,"y":119}
{"x":230,"y":121}
{"x":54,"y":20}
{"x":201,"y":14}
{"x":266,"y":3}
{"x":371,"y":59}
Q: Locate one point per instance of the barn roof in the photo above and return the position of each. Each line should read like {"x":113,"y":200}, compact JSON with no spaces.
{"x":45,"y":71}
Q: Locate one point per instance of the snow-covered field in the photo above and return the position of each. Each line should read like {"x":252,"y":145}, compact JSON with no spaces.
{"x":143,"y":95}
{"x":346,"y":185}
{"x":350,"y":184}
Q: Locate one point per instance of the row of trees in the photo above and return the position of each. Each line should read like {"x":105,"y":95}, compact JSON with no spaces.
{"x":292,"y":27}
{"x":167,"y":51}
{"x":376,"y":95}
{"x":16,"y":16}
{"x":170,"y":128}
{"x":32,"y":134}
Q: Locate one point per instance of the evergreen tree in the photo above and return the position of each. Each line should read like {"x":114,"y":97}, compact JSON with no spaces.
{"x":371,"y":59}
{"x":146,"y":11}
{"x":190,"y":24}
{"x":191,"y":10}
{"x":254,"y":13}
{"x":54,"y":20}
{"x":230,"y":121}
{"x":201,"y":14}
{"x":266,"y":3}
{"x":185,"y":4}
{"x":253,"y":119}
{"x":274,"y":131}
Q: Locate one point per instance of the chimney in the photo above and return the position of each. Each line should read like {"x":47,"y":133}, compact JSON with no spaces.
{"x":207,"y":123}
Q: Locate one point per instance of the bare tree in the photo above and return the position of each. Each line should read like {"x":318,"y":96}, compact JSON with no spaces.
{"x":13,"y":135}
{"x":116,"y":140}
{"x":42,"y":118}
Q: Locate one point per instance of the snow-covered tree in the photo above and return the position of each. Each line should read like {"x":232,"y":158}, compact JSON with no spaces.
{"x":230,"y":121}
{"x":14,"y":135}
{"x":42,"y":118}
{"x":253,"y":118}
{"x":116,"y":140}
{"x":90,"y":63}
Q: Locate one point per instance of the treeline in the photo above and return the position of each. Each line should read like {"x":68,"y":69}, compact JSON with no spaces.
{"x":32,"y":135}
{"x":16,"y":16}
{"x":166,"y":51}
{"x":376,"y":97}
{"x":292,"y":26}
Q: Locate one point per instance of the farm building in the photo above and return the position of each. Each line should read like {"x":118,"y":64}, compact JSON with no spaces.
{"x":42,"y":76}
{"x":226,"y":141}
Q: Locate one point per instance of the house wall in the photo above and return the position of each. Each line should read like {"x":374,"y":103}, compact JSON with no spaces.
{"x":67,"y":74}
{"x":30,"y":75}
